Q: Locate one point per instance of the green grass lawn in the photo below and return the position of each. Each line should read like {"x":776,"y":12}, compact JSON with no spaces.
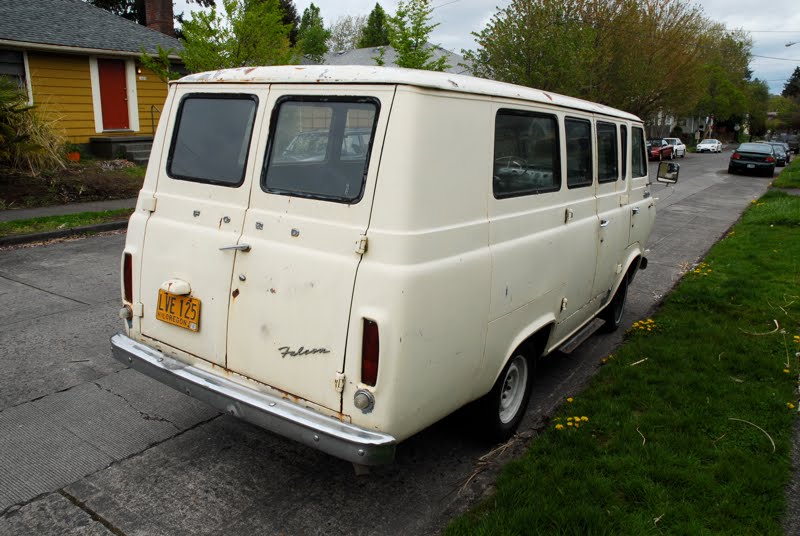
{"x":790,"y":175}
{"x":68,"y":221}
{"x":687,"y":428}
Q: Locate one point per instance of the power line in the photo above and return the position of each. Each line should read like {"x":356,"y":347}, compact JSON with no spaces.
{"x":773,"y":58}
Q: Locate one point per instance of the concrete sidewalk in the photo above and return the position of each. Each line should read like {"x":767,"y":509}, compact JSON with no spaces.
{"x":71,"y":208}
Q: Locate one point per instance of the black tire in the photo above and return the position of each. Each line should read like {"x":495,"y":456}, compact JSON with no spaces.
{"x":501,"y":410}
{"x":731,"y":170}
{"x":683,"y":155}
{"x":612,"y":314}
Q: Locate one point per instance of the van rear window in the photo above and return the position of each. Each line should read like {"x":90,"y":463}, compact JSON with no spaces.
{"x":212,"y":138}
{"x":320,"y":147}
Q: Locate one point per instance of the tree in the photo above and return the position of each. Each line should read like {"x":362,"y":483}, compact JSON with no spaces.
{"x":346,"y":32}
{"x":291,"y":19}
{"x":239,"y":34}
{"x":792,"y":86}
{"x":375,"y":33}
{"x":409,"y":30}
{"x":613,"y":52}
{"x":312,"y":36}
{"x":758,"y":97}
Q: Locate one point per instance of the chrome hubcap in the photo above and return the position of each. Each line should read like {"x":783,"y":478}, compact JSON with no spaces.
{"x":513,"y":390}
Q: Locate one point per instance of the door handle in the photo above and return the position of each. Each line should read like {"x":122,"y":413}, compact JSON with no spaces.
{"x":237,"y":247}
{"x":604,"y":223}
{"x":635,"y":210}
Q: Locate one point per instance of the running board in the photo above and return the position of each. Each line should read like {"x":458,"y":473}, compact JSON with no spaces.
{"x":584,"y":333}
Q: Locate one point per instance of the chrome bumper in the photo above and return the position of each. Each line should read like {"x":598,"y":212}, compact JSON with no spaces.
{"x":271,"y":412}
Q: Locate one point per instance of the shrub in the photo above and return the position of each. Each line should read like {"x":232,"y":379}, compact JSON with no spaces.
{"x":27,"y":142}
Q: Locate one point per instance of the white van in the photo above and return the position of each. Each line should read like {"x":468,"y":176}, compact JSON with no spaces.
{"x":345,"y":255}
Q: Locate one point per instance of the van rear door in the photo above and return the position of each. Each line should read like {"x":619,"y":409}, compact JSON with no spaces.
{"x":201,"y":200}
{"x":305,"y":229}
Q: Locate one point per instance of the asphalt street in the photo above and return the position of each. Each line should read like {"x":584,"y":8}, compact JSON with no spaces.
{"x":90,"y":447}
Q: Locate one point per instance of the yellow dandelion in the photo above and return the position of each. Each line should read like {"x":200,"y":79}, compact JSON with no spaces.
{"x":569,"y":418}
{"x":786,"y":371}
{"x":570,"y":423}
{"x":790,"y":405}
{"x":585,"y":418}
{"x":570,"y":399}
{"x":577,"y":425}
{"x":559,"y":427}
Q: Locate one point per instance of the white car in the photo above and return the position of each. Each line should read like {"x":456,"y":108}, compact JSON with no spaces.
{"x":678,"y":148}
{"x":709,"y":146}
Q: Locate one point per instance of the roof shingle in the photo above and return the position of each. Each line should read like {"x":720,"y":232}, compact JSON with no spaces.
{"x":74,"y":23}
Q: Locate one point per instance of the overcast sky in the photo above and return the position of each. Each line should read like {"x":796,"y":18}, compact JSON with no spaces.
{"x":771,"y":23}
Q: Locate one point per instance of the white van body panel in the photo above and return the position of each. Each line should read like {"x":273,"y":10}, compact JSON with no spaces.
{"x":456,"y":277}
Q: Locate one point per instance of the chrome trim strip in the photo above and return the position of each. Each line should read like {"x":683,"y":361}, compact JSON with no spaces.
{"x":304,"y":425}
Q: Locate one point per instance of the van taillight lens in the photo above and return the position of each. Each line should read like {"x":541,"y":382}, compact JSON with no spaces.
{"x":370,"y":349}
{"x":736,"y":156}
{"x":127,"y":277}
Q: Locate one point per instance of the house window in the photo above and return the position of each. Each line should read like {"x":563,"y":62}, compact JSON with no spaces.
{"x":12,"y":66}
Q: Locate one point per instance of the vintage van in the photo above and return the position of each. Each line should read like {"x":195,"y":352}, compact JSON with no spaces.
{"x":345,"y":255}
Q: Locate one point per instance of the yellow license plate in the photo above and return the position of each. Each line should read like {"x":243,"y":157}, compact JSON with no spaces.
{"x":181,"y":311}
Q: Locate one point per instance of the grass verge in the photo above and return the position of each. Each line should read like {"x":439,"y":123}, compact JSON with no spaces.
{"x":67,"y":221}
{"x":687,"y":428}
{"x":790,"y":175}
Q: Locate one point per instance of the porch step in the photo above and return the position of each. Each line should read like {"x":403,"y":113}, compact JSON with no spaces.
{"x":133,"y":148}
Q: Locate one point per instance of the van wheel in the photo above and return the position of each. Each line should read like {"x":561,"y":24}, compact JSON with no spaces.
{"x":612,"y":314}
{"x":502,"y":409}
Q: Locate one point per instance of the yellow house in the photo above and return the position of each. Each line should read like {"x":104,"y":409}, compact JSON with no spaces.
{"x":80,"y":68}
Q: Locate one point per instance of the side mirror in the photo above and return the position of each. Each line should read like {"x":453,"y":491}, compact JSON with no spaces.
{"x":668,"y":172}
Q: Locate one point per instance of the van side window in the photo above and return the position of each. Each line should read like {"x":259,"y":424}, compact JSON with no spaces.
{"x":579,"y":152}
{"x":526,"y":154}
{"x":607,"y":152}
{"x":638,"y":156}
{"x":319,"y":147}
{"x":212,"y":138}
{"x":623,"y":131}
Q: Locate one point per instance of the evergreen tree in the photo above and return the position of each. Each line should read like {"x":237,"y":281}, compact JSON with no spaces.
{"x":375,"y":34}
{"x":312,"y":36}
{"x":792,"y":87}
{"x":290,"y":18}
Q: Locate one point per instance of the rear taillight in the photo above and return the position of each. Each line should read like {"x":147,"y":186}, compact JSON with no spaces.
{"x":735,"y":156}
{"x":127,"y":277}
{"x":770,"y":159}
{"x":370,"y":349}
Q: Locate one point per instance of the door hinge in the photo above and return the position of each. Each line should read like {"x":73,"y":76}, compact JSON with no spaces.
{"x":338,"y":382}
{"x":149,"y":204}
{"x":361,"y":245}
{"x":138,"y":309}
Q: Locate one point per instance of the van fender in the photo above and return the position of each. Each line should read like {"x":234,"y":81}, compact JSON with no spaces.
{"x":633,"y":258}
{"x":537,"y":333}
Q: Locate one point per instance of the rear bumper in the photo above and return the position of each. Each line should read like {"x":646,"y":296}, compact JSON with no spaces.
{"x":743,"y":165}
{"x":340,"y":439}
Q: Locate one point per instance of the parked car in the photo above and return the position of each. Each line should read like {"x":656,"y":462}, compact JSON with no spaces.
{"x":794,"y":143}
{"x":677,"y":146}
{"x":659,"y":149}
{"x":301,"y":293}
{"x":756,"y":158}
{"x":781,"y":156}
{"x":709,"y":146}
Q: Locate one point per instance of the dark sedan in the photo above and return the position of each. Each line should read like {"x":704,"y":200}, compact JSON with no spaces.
{"x":781,"y":154}
{"x":753,"y":158}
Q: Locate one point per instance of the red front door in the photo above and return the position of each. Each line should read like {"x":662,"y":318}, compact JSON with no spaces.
{"x":113,"y":94}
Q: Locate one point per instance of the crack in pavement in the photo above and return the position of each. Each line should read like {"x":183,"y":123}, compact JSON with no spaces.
{"x":145,"y":416}
{"x":94,"y":515}
{"x":9,"y":278}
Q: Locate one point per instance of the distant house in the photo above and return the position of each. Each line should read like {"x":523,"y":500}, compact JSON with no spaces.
{"x":366,"y":56}
{"x":79,"y":66}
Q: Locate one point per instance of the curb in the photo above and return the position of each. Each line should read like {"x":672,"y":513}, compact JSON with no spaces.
{"x":61,"y":233}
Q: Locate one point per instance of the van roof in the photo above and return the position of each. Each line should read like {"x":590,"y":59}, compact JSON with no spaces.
{"x":360,"y":74}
